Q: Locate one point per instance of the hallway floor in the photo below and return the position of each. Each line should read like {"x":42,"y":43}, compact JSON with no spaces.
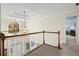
{"x":70,"y":48}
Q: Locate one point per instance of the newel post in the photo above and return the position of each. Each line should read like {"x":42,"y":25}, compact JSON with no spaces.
{"x":59,"y":39}
{"x":2,"y":38}
{"x":43,"y":37}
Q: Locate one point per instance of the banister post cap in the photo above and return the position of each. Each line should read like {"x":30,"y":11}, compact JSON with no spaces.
{"x":2,"y":36}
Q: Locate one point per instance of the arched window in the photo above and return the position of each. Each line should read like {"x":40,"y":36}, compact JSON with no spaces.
{"x":13,"y":27}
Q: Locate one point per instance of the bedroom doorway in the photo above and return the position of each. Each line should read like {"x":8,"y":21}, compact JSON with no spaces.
{"x":71,"y":29}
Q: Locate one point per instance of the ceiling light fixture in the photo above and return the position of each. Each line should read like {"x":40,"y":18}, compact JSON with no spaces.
{"x":24,"y":29}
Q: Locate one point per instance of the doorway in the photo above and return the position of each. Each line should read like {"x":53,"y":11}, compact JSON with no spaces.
{"x":71,"y":30}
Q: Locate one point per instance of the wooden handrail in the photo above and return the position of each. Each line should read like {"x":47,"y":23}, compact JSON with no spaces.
{"x":3,"y":37}
{"x":29,"y":34}
{"x":51,"y":32}
{"x":22,"y":34}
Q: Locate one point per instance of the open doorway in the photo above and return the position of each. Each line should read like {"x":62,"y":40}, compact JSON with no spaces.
{"x":71,"y":29}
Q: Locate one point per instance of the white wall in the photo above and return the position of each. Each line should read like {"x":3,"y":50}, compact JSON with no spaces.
{"x":8,"y":15}
{"x":53,"y":23}
{"x":77,"y":29}
{"x":0,"y":17}
{"x":5,"y":23}
{"x":0,"y":26}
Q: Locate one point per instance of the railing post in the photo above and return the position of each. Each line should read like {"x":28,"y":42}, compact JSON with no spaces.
{"x":59,"y":39}
{"x":2,"y":38}
{"x":43,"y":37}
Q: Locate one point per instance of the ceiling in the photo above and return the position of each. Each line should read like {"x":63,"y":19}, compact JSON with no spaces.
{"x":36,"y":9}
